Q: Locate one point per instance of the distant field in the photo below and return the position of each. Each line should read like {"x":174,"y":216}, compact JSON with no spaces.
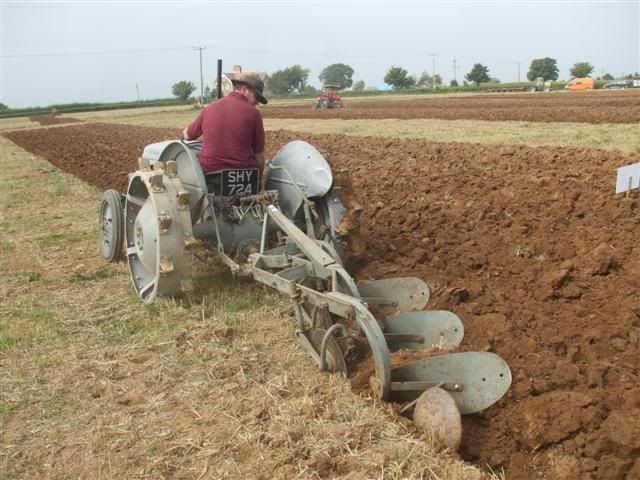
{"x":603,"y":106}
{"x":621,"y":137}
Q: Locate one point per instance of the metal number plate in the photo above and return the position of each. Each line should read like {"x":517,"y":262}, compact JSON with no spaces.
{"x":239,"y":182}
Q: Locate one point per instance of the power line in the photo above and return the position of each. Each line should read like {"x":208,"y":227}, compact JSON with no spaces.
{"x":217,"y":47}
{"x":107,"y":52}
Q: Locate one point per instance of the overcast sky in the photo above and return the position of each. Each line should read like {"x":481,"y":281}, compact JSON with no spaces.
{"x":54,"y":52}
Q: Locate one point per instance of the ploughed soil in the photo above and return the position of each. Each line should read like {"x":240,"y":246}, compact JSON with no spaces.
{"x":603,"y":106}
{"x":529,"y":246}
{"x":45,"y":120}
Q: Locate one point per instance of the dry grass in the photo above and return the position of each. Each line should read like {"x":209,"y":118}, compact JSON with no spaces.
{"x":96,"y":385}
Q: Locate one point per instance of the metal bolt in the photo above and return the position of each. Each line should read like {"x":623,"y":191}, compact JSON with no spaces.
{"x":144,"y":164}
{"x":172,"y":168}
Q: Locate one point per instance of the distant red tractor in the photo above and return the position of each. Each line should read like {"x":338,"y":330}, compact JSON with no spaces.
{"x":329,"y":97}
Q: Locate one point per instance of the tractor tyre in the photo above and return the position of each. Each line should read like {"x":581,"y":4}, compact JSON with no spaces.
{"x":111,"y":226}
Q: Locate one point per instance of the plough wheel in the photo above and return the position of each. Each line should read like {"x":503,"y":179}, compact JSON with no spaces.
{"x":158,"y":235}
{"x":334,"y":358}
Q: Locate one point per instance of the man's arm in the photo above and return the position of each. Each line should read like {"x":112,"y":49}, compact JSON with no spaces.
{"x":260,"y":160}
{"x":194,"y":130}
{"x":259,"y":143}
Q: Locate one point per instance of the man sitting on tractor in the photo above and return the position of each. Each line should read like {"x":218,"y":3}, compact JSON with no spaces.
{"x":232,"y":129}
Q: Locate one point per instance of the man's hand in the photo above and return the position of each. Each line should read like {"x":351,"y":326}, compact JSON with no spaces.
{"x":185,"y":136}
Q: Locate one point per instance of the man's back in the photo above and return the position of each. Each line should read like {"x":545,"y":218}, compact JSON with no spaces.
{"x":233,"y":134}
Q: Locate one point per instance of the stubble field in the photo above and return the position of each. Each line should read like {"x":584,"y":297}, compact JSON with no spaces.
{"x":527,"y":244}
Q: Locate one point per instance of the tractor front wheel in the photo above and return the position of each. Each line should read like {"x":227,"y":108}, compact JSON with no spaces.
{"x":111,"y":226}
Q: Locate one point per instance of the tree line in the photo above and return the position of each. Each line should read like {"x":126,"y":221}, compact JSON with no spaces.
{"x":294,"y":79}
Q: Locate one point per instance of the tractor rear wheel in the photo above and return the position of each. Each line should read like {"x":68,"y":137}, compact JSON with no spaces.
{"x":111,"y":226}
{"x":159,"y":235}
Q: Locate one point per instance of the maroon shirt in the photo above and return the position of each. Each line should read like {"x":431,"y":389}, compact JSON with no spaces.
{"x":233,"y":133}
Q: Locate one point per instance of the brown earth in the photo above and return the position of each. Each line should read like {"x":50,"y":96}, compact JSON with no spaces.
{"x":605,"y":106}
{"x":49,"y":120}
{"x":101,"y":154}
{"x":529,"y":246}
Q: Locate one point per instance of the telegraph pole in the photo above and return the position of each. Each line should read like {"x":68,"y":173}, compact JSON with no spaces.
{"x":138,"y":90}
{"x":201,"y":77}
{"x":433,"y":60}
{"x":455,"y":68}
{"x":518,"y":72}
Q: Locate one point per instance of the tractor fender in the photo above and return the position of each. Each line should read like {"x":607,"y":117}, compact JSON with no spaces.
{"x":189,"y":170}
{"x":297,"y":171}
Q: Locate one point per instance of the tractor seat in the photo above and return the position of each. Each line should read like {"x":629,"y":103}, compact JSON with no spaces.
{"x":226,"y":183}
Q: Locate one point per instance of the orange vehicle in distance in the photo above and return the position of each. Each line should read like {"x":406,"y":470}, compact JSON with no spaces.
{"x":586,"y":83}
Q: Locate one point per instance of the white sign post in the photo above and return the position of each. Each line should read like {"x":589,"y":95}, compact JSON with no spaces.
{"x":628,"y":178}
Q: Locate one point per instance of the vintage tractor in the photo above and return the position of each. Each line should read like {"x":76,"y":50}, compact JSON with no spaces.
{"x":328,"y":97}
{"x":290,"y":238}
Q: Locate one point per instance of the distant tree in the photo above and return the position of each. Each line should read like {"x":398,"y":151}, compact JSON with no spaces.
{"x":546,"y":67}
{"x":631,"y":76}
{"x":308,"y":89}
{"x":297,"y":77}
{"x":453,"y":83}
{"x":279,"y":83}
{"x":494,"y":80}
{"x":338,"y":74}
{"x":399,"y":78}
{"x":478,"y":74}
{"x":289,"y":80}
{"x":183,"y":89}
{"x":581,"y":69}
{"x":3,"y":107}
{"x":607,"y":76}
{"x":359,"y":86}
{"x":426,"y":80}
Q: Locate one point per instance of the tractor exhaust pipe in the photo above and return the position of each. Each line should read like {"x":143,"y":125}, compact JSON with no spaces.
{"x":219,"y":82}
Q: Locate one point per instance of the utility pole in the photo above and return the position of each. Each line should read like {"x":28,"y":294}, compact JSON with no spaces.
{"x":138,"y":90}
{"x":455,"y":68}
{"x":518,"y":72}
{"x":433,"y":60}
{"x":201,"y":78}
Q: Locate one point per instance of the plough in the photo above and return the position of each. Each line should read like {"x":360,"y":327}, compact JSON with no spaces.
{"x":289,"y":238}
